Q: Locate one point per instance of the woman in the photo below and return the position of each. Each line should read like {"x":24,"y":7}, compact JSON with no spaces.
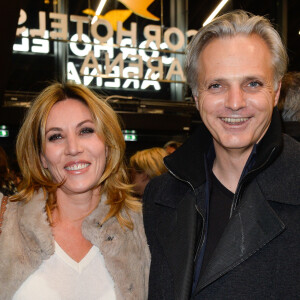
{"x":73,"y":231}
{"x":145,"y":165}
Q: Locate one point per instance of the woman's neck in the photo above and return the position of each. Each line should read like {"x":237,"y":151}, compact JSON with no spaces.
{"x":73,"y":208}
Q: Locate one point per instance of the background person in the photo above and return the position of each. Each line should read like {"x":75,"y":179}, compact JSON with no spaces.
{"x":145,"y":165}
{"x":289,"y":104}
{"x":171,"y":146}
{"x":73,"y":231}
{"x":224,"y":222}
{"x":7,"y":180}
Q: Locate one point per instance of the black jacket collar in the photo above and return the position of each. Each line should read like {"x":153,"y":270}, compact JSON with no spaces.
{"x":187,"y":162}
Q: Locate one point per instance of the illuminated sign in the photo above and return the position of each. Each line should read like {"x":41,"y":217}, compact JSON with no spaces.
{"x":111,"y":60}
{"x":4,"y":131}
{"x":130,"y":135}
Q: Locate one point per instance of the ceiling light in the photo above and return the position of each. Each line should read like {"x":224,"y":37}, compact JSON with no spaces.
{"x":99,"y":10}
{"x":215,"y":12}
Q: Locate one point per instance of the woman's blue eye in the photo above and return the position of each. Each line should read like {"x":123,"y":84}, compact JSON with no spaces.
{"x":54,"y":137}
{"x":87,"y":130}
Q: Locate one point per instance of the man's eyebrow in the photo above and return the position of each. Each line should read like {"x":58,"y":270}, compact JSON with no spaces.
{"x":211,"y":80}
{"x":224,"y":79}
{"x":255,"y":77}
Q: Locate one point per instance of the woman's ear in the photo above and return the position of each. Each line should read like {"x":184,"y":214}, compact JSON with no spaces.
{"x":44,"y":161}
{"x":144,"y":176}
{"x":106,"y":151}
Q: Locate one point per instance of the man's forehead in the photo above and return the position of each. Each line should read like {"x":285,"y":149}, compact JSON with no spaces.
{"x":238,"y":57}
{"x":254,"y":37}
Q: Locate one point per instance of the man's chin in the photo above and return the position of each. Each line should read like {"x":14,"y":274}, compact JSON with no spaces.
{"x":234,"y":144}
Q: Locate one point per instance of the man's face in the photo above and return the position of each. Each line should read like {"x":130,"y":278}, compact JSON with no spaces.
{"x":236,"y":91}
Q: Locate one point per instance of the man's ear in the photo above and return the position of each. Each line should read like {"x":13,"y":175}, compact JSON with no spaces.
{"x":44,"y":161}
{"x":196,"y":101}
{"x":277,"y":93}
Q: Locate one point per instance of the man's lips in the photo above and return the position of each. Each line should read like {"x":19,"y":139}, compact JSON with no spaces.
{"x":235,"y":121}
{"x":75,"y":166}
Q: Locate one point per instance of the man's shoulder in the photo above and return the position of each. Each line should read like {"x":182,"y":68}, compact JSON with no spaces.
{"x":292,"y":128}
{"x":280,"y":181}
{"x":165,"y":189}
{"x":289,"y":159}
{"x":164,"y":181}
{"x":291,"y":145}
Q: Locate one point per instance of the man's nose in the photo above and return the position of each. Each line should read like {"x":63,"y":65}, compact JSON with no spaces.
{"x":235,"y":99}
{"x":73,"y":145}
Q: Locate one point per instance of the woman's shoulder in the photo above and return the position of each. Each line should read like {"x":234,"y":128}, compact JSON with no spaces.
{"x":136,"y":217}
{"x":30,"y":215}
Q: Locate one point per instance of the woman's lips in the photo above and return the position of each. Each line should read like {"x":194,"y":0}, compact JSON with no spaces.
{"x":76,"y":166}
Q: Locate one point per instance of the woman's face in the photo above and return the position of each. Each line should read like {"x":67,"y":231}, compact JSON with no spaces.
{"x":73,"y":150}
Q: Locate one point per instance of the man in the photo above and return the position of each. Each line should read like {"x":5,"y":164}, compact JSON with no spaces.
{"x":289,"y":104}
{"x":224,"y":222}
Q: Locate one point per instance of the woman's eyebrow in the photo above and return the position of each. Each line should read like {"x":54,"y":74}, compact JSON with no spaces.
{"x":84,"y":121}
{"x":78,"y":125}
{"x":53,"y":129}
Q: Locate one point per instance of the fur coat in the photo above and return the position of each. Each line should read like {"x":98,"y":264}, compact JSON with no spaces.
{"x":27,"y":240}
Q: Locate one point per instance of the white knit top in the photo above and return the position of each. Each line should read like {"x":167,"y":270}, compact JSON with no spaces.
{"x":62,"y":278}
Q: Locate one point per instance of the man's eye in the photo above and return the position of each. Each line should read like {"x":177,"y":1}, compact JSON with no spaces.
{"x":54,"y":137}
{"x":255,"y":84}
{"x":87,"y":130}
{"x":214,"y":86}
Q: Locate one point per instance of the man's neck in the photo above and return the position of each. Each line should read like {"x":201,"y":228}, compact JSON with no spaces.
{"x":229,"y":164}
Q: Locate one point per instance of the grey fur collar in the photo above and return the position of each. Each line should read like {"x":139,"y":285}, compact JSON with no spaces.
{"x":27,"y":240}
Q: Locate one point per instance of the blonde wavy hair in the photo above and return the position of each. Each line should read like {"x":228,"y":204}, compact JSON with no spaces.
{"x":149,"y":161}
{"x":31,"y":142}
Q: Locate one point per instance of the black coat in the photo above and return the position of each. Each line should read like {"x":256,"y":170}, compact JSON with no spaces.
{"x":258,"y":255}
{"x":292,"y":128}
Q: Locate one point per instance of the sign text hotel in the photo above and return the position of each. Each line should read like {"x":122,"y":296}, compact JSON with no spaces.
{"x":126,"y":62}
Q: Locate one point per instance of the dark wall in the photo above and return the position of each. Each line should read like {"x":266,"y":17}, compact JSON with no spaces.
{"x":8,"y":24}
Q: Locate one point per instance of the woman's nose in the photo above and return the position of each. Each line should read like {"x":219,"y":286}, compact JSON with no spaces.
{"x":73,"y":145}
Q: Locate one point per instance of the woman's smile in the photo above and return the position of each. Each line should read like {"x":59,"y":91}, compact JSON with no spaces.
{"x":76,"y":166}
